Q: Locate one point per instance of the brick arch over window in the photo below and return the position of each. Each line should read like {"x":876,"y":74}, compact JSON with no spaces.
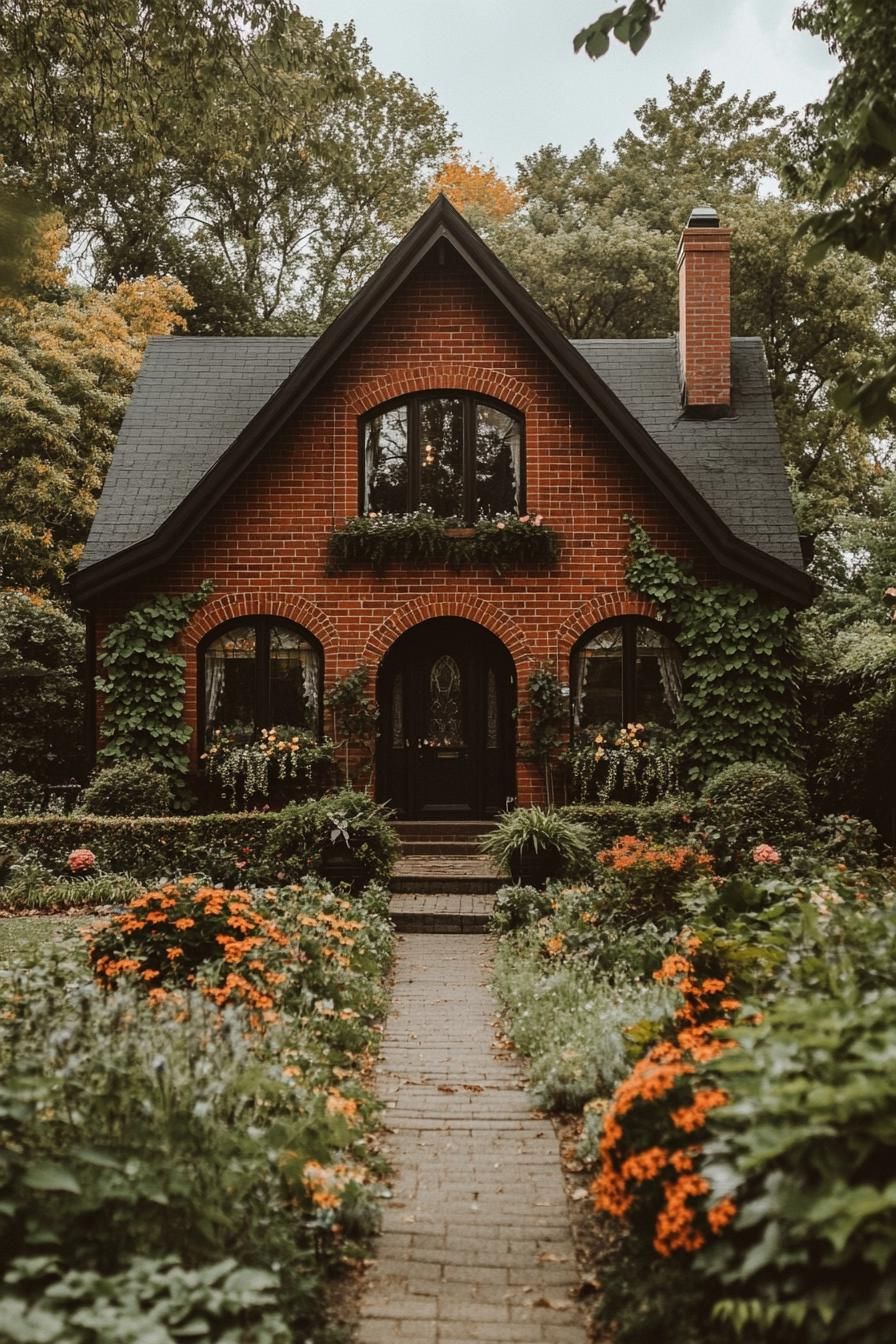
{"x":427,"y":377}
{"x":425,"y":609}
{"x":233,"y":605}
{"x":617,"y":603}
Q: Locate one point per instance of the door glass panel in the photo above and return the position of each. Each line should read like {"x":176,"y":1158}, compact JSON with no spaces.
{"x":293,"y":679}
{"x":442,"y":456}
{"x":491,"y":716}
{"x":445,"y":718}
{"x":657,"y":676}
{"x":230,"y":682}
{"x":497,"y":462}
{"x":398,"y":711}
{"x":386,"y":462}
{"x":598,"y":696}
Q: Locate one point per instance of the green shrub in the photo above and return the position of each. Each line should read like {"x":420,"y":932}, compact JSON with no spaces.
{"x":668,"y":819}
{"x":536,"y":833}
{"x":850,"y":840}
{"x":805,"y":1149}
{"x":306,"y":837}
{"x":157,"y":1300}
{"x":29,"y":886}
{"x":516,"y":906}
{"x":128,"y":789}
{"x":42,"y":661}
{"x":571,"y":1023}
{"x":643,"y":880}
{"x":219,"y":846}
{"x":752,"y":803}
{"x":19,"y":794}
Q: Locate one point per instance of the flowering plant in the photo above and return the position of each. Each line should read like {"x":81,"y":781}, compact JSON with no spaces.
{"x":651,"y":1142}
{"x":634,"y":762}
{"x":81,"y":861}
{"x":246,"y":772}
{"x":766,"y":854}
{"x":650,"y":875}
{"x":420,"y":538}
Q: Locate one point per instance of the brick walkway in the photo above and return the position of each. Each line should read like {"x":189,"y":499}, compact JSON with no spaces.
{"x":476,"y":1242}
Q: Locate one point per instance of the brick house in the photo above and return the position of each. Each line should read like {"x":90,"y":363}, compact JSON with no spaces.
{"x":442,"y":386}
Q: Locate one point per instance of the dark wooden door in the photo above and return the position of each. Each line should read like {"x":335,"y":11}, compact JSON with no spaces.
{"x":446,"y":742}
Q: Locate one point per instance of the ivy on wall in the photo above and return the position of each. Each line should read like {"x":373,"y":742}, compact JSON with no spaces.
{"x":144,"y":686}
{"x":739,"y":665}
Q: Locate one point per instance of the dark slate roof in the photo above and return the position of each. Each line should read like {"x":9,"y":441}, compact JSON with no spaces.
{"x":194,"y":395}
{"x":735,"y":462}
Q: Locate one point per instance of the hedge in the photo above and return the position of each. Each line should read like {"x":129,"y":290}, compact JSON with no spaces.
{"x":144,"y":847}
{"x":666,"y":820}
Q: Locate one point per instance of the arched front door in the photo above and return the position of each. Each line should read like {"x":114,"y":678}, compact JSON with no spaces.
{"x":446,"y":745}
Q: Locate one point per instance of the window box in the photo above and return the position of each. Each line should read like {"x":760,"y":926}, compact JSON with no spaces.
{"x":422,"y":540}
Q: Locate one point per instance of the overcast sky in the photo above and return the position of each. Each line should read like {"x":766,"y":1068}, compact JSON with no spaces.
{"x":505,"y":72}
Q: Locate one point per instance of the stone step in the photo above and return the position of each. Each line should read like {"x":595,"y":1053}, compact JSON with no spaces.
{"x":445,"y":848}
{"x":434,"y":873}
{"x":442,"y":830}
{"x":440,"y":912}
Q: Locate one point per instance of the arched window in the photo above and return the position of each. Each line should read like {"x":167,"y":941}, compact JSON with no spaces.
{"x":625,"y":671}
{"x":457,"y":454}
{"x":256,"y":672}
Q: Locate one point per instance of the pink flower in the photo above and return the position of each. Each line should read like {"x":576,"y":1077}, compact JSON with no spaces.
{"x":499,"y":525}
{"x":524,"y":518}
{"x":81,"y":860}
{"x":766,"y":854}
{"x":538,"y":518}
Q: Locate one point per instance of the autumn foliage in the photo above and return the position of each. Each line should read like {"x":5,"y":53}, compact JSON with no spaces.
{"x":470,"y":186}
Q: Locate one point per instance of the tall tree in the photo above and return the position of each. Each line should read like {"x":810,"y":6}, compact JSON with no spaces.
{"x":233,"y":143}
{"x":68,"y":359}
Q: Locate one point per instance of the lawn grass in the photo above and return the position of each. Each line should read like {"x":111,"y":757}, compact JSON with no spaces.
{"x":22,"y":937}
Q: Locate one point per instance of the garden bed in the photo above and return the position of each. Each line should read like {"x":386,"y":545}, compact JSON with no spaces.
{"x":188,"y":1115}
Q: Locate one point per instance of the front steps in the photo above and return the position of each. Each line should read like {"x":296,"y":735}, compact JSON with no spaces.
{"x":442,"y":883}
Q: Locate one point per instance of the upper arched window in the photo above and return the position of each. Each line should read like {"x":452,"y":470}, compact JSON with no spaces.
{"x":625,"y":671}
{"x":452,"y":452}
{"x":256,"y":672}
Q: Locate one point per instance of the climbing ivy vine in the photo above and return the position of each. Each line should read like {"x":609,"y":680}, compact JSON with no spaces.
{"x":739,"y":664}
{"x":143,"y":684}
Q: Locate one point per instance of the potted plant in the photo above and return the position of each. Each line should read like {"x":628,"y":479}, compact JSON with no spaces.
{"x":534,"y":844}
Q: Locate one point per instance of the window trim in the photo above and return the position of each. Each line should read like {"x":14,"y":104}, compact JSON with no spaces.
{"x":469,"y":400}
{"x":629,"y":626}
{"x":263,"y":626}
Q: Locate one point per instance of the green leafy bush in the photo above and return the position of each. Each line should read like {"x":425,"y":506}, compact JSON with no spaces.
{"x":667,"y":820}
{"x":572,"y":1024}
{"x":28,"y":885}
{"x":805,"y":1150}
{"x":128,"y":789}
{"x":536,"y":833}
{"x":422,"y":539}
{"x":19,"y":794}
{"x":41,"y":673}
{"x":516,"y":906}
{"x":219,"y":846}
{"x":751,"y":803}
{"x":156,"y":1301}
{"x":349,"y":826}
{"x":643,"y":879}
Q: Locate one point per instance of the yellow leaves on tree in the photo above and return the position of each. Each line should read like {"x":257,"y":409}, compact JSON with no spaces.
{"x":472,"y":188}
{"x":68,"y":359}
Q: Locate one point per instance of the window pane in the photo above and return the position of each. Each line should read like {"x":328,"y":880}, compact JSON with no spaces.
{"x":293,"y":680}
{"x":445,"y":718}
{"x":657,"y":676}
{"x":497,"y":462}
{"x":386,"y":462}
{"x":442,"y":456}
{"x":230,"y":682}
{"x":598,"y":697}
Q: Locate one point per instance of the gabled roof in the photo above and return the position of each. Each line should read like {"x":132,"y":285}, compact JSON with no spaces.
{"x":204,"y":408}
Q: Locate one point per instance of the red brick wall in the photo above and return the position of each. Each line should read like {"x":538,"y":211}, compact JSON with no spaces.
{"x":265,"y":546}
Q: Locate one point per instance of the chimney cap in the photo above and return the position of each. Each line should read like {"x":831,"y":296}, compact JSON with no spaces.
{"x":703,"y":217}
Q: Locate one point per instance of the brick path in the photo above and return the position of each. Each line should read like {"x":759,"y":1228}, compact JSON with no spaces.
{"x":476,"y":1242}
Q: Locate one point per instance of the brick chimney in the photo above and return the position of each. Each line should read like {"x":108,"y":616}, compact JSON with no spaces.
{"x":704,"y":313}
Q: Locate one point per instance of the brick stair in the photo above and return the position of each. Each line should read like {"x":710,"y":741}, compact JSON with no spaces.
{"x":441,"y":883}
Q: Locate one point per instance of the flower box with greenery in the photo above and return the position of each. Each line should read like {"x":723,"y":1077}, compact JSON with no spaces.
{"x":277,"y":766}
{"x":634,"y":763}
{"x":381,"y":539}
